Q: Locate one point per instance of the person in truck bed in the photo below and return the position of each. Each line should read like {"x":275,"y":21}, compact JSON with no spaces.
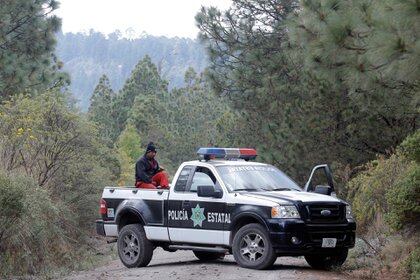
{"x":148,"y":173}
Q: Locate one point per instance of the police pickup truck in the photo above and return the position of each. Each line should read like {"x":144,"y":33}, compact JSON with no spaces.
{"x":225,"y":204}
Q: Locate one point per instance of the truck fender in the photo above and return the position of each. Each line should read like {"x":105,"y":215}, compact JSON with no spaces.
{"x":137,"y":207}
{"x":244,"y":218}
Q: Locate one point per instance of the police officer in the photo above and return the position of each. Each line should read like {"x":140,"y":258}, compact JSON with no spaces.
{"x":148,"y":173}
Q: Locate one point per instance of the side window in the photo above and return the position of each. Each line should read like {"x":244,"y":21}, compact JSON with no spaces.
{"x":202,"y":177}
{"x":181,"y":182}
{"x":319,"y":178}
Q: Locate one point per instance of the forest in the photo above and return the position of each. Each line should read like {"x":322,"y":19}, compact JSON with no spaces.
{"x":303,"y":82}
{"x":86,"y":57}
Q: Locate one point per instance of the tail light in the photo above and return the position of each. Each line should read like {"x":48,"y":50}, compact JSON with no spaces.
{"x":102,"y":207}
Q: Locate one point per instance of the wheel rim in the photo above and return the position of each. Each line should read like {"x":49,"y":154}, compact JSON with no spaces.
{"x":252,"y":247}
{"x":130,"y":248}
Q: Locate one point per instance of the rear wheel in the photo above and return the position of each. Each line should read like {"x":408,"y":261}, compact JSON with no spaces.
{"x":252,"y":247}
{"x":208,"y":256}
{"x":134,"y":249}
{"x":327,"y":261}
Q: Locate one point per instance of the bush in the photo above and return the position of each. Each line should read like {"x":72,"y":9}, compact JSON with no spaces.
{"x":367,"y":191}
{"x":11,"y":203}
{"x":411,"y":147}
{"x":403,"y":199}
{"x":412,"y":264}
{"x":389,"y":189}
{"x":39,"y":237}
{"x":47,"y":214}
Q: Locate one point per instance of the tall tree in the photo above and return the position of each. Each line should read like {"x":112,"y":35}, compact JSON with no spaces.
{"x":101,"y":110}
{"x":299,"y":114}
{"x":129,"y":150}
{"x":367,"y":52}
{"x":250,"y":65}
{"x":27,"y":44}
{"x":144,"y":82}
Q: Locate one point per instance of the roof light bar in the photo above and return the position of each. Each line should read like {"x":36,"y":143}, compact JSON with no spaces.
{"x":227,"y":153}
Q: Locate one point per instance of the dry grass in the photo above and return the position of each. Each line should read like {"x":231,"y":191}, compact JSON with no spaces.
{"x":387,"y":263}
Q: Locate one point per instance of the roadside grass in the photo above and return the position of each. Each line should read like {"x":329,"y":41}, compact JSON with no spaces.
{"x":398,"y":258}
{"x":96,"y":254}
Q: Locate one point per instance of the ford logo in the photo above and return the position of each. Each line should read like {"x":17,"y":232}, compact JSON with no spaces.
{"x":325,"y":212}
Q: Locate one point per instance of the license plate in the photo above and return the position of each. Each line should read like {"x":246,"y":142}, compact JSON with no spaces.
{"x":329,"y":242}
{"x":110,"y":213}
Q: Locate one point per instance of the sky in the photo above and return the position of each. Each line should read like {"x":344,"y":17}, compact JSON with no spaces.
{"x":155,"y":17}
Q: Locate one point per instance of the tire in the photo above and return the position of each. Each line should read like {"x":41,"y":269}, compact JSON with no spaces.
{"x":327,"y":261}
{"x":208,"y":256}
{"x":134,"y":249}
{"x":252,"y":247}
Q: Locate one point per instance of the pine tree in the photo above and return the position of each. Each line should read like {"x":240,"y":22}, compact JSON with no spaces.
{"x":144,"y":82}
{"x":312,"y":82}
{"x":366,"y":52}
{"x":102,"y":111}
{"x":27,"y":42}
{"x":129,"y":150}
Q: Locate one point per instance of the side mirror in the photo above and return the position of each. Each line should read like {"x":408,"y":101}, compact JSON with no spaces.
{"x":209,"y":191}
{"x":328,"y":174}
{"x":323,"y":190}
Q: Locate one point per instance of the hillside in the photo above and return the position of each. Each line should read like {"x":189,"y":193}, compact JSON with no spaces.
{"x":87,"y":56}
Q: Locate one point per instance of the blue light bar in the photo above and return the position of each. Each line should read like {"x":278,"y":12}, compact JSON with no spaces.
{"x":227,"y":153}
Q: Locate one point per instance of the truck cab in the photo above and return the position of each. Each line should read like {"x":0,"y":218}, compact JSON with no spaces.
{"x":225,"y":203}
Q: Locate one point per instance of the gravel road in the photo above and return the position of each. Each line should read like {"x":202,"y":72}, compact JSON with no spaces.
{"x":183,"y":265}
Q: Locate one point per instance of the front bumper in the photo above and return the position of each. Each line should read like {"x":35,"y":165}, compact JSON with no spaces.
{"x":309,"y":235}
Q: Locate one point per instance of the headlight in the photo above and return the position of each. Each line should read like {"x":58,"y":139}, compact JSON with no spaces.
{"x":349,"y":215}
{"x":285,"y":212}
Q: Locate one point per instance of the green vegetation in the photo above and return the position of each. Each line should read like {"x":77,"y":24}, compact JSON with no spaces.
{"x":129,"y":151}
{"x":413,"y":264}
{"x":388,"y":188}
{"x":329,"y":81}
{"x":179,"y":121}
{"x":304,"y":82}
{"x":295,"y":70}
{"x":87,"y":56}
{"x":62,"y":167}
{"x":27,"y":43}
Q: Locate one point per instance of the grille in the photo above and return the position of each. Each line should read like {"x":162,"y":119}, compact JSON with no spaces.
{"x":336,"y":213}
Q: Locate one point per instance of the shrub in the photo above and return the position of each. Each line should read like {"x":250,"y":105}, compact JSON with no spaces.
{"x":403,"y":199}
{"x":367,"y":191}
{"x":412,"y":264}
{"x":38,"y":237}
{"x":411,"y":147}
{"x":48,"y":213}
{"x":388,"y":188}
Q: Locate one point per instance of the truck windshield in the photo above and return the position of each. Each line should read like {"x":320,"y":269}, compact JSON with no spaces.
{"x":256,"y":178}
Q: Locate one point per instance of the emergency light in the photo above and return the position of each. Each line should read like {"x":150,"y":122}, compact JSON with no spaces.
{"x":227,"y":153}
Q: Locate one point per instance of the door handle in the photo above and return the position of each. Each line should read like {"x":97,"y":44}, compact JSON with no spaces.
{"x":186,"y":204}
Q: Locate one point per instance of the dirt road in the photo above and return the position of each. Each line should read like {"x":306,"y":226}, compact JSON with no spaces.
{"x":183,"y":265}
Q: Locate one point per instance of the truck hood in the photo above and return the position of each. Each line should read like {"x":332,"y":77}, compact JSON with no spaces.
{"x":284,"y":197}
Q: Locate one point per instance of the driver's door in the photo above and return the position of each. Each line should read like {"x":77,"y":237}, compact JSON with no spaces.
{"x":193,"y":219}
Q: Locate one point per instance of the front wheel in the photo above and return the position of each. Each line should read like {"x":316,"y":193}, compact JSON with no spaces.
{"x":252,"y":247}
{"x":327,"y":261}
{"x":134,"y":249}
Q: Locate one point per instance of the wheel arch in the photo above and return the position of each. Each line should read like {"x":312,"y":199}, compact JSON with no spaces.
{"x":245,"y":219}
{"x":128,"y":216}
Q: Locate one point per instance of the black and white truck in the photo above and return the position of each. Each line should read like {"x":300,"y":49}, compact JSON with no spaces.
{"x":225,"y":204}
